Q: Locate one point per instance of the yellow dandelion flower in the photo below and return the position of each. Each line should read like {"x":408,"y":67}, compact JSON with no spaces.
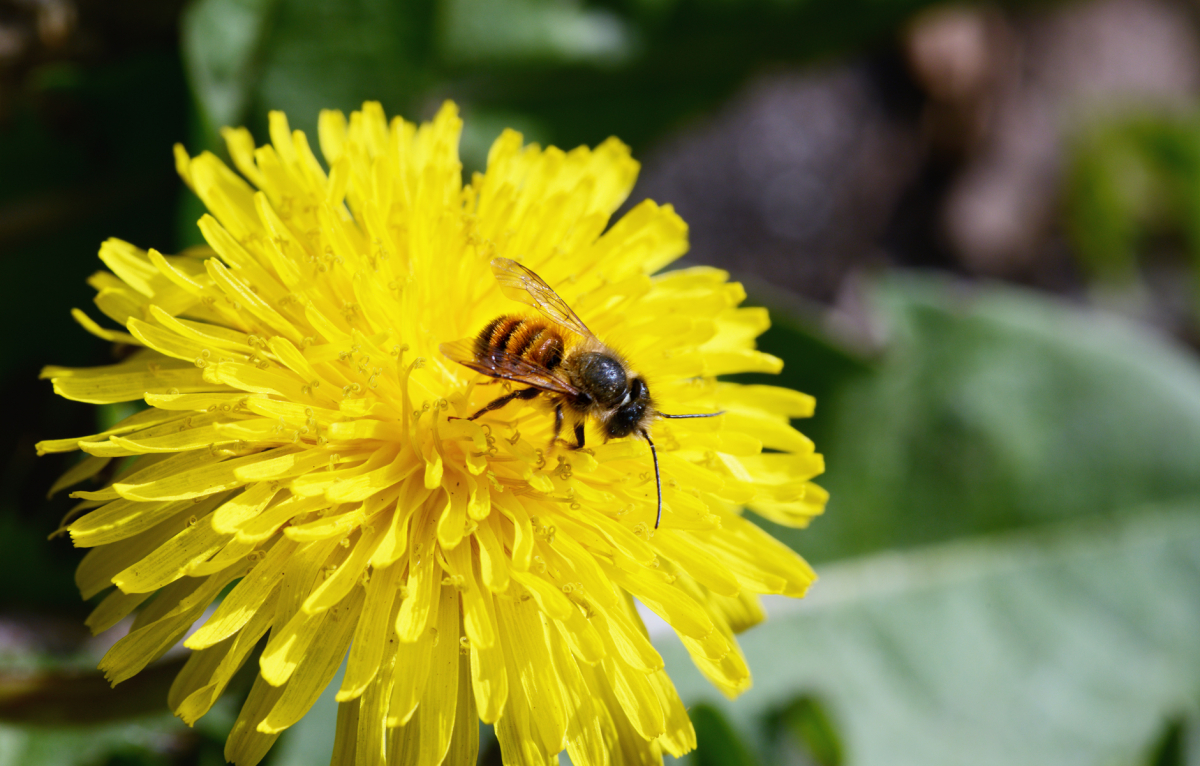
{"x":306,"y":448}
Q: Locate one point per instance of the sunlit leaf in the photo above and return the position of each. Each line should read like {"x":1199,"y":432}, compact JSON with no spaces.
{"x":525,"y":31}
{"x":223,"y":45}
{"x":1072,"y":645}
{"x":994,"y":408}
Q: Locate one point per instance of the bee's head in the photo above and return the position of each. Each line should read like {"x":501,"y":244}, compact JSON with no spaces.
{"x":631,"y":413}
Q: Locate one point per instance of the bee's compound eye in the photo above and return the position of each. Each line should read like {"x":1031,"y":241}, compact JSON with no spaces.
{"x":638,"y":390}
{"x":626,"y":419}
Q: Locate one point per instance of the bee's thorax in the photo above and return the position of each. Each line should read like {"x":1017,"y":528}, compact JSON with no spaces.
{"x":600,"y":375}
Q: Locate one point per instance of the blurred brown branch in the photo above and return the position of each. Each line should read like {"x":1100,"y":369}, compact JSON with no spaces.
{"x":56,"y":698}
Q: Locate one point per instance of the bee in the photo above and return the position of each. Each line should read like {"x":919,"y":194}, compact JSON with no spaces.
{"x":559,"y":358}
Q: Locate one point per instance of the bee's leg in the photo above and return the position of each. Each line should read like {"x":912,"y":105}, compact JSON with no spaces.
{"x":558,"y":423}
{"x":495,"y":404}
{"x":579,"y":435}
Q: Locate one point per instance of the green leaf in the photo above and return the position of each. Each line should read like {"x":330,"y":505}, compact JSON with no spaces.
{"x":717,"y":743}
{"x":246,"y":57}
{"x":1171,"y":748}
{"x":805,"y":729}
{"x":1070,"y":645}
{"x":584,"y":70}
{"x":524,"y":31}
{"x":994,"y":408}
{"x":222,"y":50}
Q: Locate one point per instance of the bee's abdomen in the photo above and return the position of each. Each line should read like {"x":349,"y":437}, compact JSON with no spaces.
{"x":534,"y":340}
{"x":495,"y":334}
{"x":546,"y":349}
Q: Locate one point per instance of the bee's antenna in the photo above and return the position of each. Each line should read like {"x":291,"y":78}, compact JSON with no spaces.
{"x":657,"y":476}
{"x":682,"y":417}
{"x":654,"y":454}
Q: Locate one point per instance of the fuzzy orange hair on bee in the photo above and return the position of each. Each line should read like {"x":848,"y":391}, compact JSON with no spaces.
{"x":559,"y":358}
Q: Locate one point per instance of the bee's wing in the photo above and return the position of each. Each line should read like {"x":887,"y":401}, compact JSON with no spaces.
{"x":521,"y":284}
{"x":501,"y":364}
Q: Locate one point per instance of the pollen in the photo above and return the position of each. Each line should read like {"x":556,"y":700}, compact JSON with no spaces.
{"x":304,"y":474}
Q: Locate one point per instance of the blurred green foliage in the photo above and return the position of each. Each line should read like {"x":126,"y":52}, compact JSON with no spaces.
{"x":564,"y":71}
{"x":1045,"y":451}
{"x":717,"y":743}
{"x":1011,"y":559}
{"x":1133,"y":203}
{"x":1072,"y":644}
{"x":993,"y":409}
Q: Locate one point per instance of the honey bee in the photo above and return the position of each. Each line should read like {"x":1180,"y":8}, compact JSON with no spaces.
{"x":559,"y":358}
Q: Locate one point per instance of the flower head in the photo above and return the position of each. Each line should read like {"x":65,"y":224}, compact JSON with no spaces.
{"x":307,"y":444}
